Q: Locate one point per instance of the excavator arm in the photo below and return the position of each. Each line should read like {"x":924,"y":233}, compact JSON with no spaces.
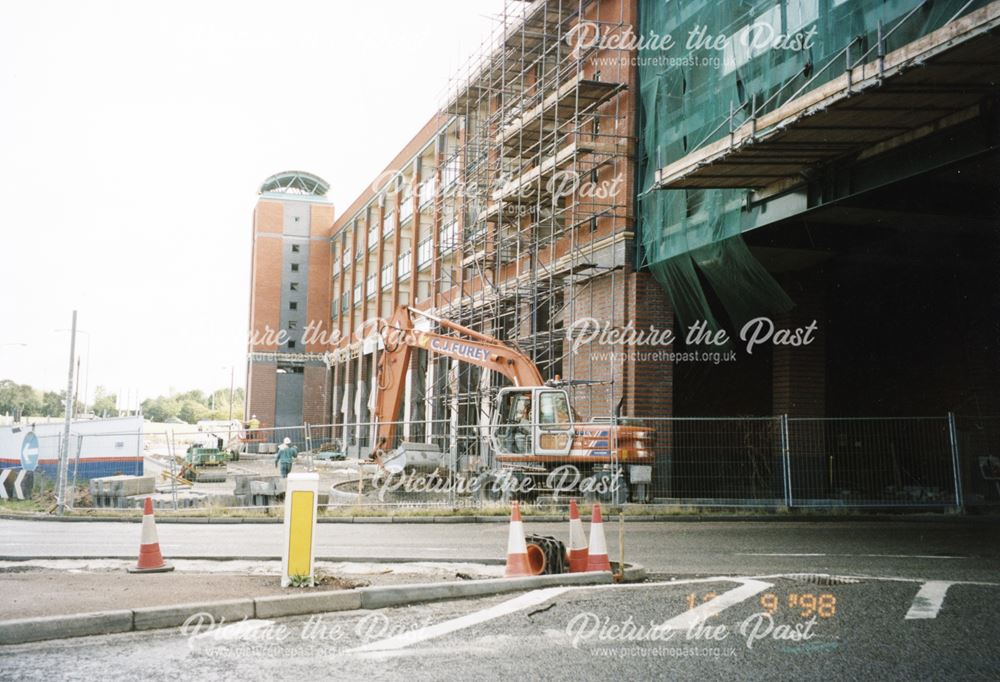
{"x":400,"y":338}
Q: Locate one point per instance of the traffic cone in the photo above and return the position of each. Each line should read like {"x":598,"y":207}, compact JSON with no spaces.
{"x":597,"y":554}
{"x":577,"y":554}
{"x":150,"y":559}
{"x":517,"y":549}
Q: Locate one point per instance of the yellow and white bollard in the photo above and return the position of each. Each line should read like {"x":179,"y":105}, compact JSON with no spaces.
{"x":301,"y":491}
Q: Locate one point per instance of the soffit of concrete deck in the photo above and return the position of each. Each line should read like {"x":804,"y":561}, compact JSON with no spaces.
{"x":928,"y":84}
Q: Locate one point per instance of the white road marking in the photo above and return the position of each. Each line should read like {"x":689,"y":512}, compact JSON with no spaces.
{"x":524,"y":601}
{"x":431,"y":631}
{"x":928,"y":601}
{"x":905,"y":556}
{"x":879,"y":578}
{"x":699,"y":614}
{"x":778,"y":554}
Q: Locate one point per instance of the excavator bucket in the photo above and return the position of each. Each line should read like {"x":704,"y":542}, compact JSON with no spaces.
{"x":422,"y":457}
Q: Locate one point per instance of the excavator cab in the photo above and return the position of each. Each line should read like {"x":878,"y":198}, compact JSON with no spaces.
{"x":532,"y":421}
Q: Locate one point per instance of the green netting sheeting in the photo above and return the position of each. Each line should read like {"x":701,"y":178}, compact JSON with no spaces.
{"x":687,"y":95}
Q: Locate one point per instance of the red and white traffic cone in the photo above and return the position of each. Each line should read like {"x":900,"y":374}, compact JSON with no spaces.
{"x":577,"y":554}
{"x":597,"y":554}
{"x":150,"y":558}
{"x":517,"y":549}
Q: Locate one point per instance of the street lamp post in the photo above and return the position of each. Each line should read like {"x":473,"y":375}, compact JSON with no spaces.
{"x":86,"y":368}
{"x":64,"y":450}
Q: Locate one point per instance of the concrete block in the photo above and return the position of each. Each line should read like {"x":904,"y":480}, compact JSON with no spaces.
{"x":315,"y":602}
{"x":241,"y":484}
{"x":154,"y":617}
{"x":59,"y":627}
{"x":261,"y":488}
{"x":111,"y":491}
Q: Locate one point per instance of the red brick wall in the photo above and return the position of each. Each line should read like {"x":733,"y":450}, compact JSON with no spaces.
{"x":261,"y":382}
{"x":649,"y":380}
{"x":645,"y":381}
{"x":315,"y":401}
{"x":265,"y":284}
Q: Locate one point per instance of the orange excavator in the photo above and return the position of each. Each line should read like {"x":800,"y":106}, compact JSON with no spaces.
{"x":533,"y":430}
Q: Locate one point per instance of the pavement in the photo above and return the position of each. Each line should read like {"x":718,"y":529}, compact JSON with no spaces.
{"x":80,"y":586}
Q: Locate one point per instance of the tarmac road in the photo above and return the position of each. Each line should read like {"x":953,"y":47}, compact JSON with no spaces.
{"x":965,"y":549}
{"x":761,"y":627}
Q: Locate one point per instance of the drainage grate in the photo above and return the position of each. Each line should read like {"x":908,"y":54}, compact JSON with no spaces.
{"x":822,"y":579}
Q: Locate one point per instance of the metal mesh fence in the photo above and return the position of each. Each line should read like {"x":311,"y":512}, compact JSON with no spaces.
{"x":930,"y":462}
{"x":978,"y":441}
{"x":733,"y":461}
{"x":871,"y":462}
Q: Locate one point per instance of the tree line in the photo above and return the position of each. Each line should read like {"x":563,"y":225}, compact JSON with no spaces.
{"x":191,"y":406}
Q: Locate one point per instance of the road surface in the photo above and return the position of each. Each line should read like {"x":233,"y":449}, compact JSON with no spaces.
{"x":967,"y":549}
{"x":761,"y":627}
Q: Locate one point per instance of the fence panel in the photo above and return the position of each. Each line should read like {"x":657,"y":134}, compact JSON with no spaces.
{"x":718,"y":461}
{"x":979,"y":459}
{"x":749,"y":462}
{"x":898,"y":462}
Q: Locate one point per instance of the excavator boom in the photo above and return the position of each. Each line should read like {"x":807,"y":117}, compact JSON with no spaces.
{"x":400,"y":337}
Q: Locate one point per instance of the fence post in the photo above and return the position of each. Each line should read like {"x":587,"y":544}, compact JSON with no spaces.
{"x":169,"y":436}
{"x":786,"y":472}
{"x":955,"y":464}
{"x":309,"y":446}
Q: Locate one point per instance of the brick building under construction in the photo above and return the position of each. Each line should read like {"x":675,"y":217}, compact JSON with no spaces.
{"x":842,"y":175}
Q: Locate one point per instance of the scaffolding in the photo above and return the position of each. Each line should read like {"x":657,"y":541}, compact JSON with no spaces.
{"x":543,"y":143}
{"x":510,"y":213}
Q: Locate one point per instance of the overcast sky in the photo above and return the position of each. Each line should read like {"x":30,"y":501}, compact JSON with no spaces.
{"x":134,"y":136}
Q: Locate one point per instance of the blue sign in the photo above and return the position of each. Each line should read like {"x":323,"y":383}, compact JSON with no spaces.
{"x":29,"y":451}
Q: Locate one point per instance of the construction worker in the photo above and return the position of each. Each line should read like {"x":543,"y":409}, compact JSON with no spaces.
{"x":253,"y":425}
{"x":286,"y":455}
{"x":522,"y":435}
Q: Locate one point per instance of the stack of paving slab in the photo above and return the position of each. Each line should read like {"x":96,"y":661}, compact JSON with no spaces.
{"x":114,"y":491}
{"x":257,"y":489}
{"x":186,"y":499}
